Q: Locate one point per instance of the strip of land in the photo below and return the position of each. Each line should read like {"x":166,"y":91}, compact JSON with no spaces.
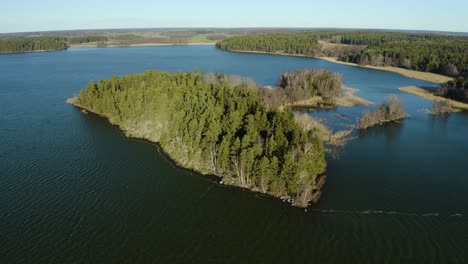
{"x":32,"y":51}
{"x":349,"y":99}
{"x":140,"y":45}
{"x":424,"y":93}
{"x":425,"y":76}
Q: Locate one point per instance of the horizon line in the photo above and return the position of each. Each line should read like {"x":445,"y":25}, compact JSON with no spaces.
{"x":272,"y":27}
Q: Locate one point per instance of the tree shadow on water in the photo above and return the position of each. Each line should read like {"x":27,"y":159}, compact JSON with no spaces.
{"x":391,"y":131}
{"x":439,"y":120}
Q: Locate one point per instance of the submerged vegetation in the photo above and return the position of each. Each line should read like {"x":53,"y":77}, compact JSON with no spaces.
{"x":390,"y":110}
{"x":445,"y":55}
{"x":441,"y":107}
{"x":217,"y":125}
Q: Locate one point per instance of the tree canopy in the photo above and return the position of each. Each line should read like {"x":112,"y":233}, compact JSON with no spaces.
{"x":455,"y":90}
{"x":17,"y":45}
{"x":212,"y":124}
{"x":447,"y":55}
{"x":297,"y":43}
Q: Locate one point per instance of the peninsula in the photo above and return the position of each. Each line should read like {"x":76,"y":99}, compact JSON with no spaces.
{"x":429,"y":57}
{"x":453,"y":93}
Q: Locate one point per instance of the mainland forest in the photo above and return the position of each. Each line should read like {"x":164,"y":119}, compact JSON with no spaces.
{"x":447,"y":55}
{"x":456,"y":89}
{"x":221,"y":125}
{"x":442,"y":54}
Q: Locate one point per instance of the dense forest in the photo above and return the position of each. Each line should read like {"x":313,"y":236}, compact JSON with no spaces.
{"x":18,"y":45}
{"x":214,"y":124}
{"x":298,"y":43}
{"x":447,"y":55}
{"x":456,"y":90}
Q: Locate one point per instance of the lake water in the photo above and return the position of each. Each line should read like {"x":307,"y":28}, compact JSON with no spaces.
{"x":73,"y":189}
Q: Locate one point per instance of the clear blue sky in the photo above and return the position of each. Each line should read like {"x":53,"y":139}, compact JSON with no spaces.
{"x":34,"y":15}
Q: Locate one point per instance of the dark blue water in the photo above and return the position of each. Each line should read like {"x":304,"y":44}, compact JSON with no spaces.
{"x":73,"y":189}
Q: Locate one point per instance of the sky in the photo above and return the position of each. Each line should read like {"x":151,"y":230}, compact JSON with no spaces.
{"x":45,"y":15}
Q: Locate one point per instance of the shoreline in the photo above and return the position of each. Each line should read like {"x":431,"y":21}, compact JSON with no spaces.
{"x":74,"y":46}
{"x":143,"y":45}
{"x":424,"y":93}
{"x":425,"y":76}
{"x":33,"y":51}
{"x":222,"y":181}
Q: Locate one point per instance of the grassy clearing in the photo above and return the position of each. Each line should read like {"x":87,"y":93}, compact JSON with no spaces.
{"x":202,"y":38}
{"x":329,"y":45}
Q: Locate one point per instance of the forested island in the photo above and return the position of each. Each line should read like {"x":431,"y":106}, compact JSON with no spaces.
{"x":390,"y":110}
{"x":447,"y":55}
{"x":223,"y":125}
{"x":32,"y":44}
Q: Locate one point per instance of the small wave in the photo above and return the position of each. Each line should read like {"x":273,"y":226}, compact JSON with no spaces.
{"x":431,"y":214}
{"x":380,"y":212}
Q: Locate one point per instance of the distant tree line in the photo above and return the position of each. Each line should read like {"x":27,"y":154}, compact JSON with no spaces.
{"x":447,"y":55}
{"x":455,"y":90}
{"x":218,"y":124}
{"x":86,"y":39}
{"x":29,"y":44}
{"x":297,"y":43}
